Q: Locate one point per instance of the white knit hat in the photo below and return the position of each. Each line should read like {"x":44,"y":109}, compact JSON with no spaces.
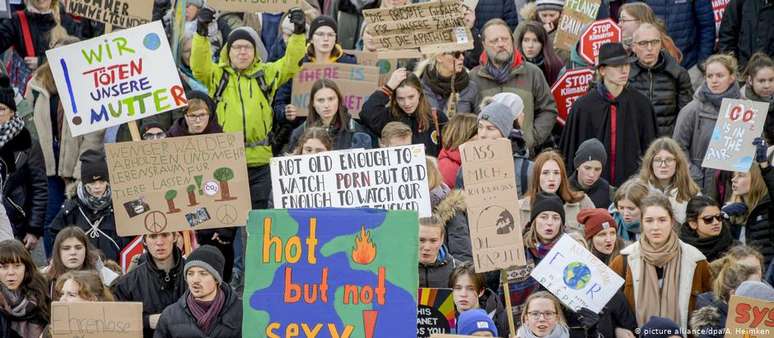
{"x":512,"y":100}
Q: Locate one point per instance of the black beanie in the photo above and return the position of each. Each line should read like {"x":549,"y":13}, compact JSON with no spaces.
{"x":546,"y":202}
{"x":322,"y":20}
{"x":7,"y":95}
{"x":93,"y":166}
{"x":200,"y":95}
{"x":590,"y":150}
{"x":241,"y":33}
{"x":208,"y":258}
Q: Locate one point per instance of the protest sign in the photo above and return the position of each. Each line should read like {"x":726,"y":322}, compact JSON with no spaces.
{"x":386,"y":61}
{"x":749,"y":318}
{"x":739,"y":123}
{"x":134,"y":248}
{"x":576,"y":16}
{"x":719,"y":7}
{"x":576,"y":277}
{"x":571,"y":86}
{"x":96,"y":320}
{"x":5,"y":9}
{"x":492,"y":204}
{"x":337,"y":272}
{"x":433,"y":27}
{"x":182,"y":183}
{"x":597,"y":34}
{"x":356,"y":83}
{"x":387,"y":178}
{"x":435,"y":312}
{"x":116,"y":78}
{"x":254,"y":6}
{"x":119,"y":13}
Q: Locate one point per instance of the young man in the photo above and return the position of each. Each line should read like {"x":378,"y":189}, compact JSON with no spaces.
{"x":435,"y":263}
{"x":589,"y":162}
{"x":395,"y":134}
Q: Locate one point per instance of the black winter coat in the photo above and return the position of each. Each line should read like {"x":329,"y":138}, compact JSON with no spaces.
{"x":11,"y":34}
{"x":107,"y":240}
{"x":177,"y":321}
{"x":25,"y":190}
{"x":155,"y":288}
{"x":601,"y":193}
{"x":668,"y":87}
{"x":437,"y":275}
{"x":496,"y":9}
{"x":616,"y":314}
{"x":350,"y":136}
{"x":746,"y":28}
{"x":759,"y":232}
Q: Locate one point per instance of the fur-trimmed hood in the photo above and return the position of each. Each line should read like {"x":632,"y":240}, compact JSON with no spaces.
{"x":708,"y":317}
{"x":529,"y":12}
{"x":450,"y":206}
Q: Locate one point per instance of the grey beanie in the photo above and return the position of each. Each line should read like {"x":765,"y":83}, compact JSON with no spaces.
{"x":590,"y":150}
{"x":208,"y":258}
{"x":197,"y":3}
{"x":499,"y":115}
{"x":512,"y":100}
{"x":757,"y":290}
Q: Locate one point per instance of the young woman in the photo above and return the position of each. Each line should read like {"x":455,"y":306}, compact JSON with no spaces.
{"x":662,"y":274}
{"x":81,"y":286}
{"x":759,"y":86}
{"x":326,"y":110}
{"x":24,"y":302}
{"x":600,"y":231}
{"x":704,"y":228}
{"x":436,"y":77}
{"x":543,"y":317}
{"x":470,"y":292}
{"x":552,"y":178}
{"x":626,"y":209}
{"x":314,"y":140}
{"x":749,"y":208}
{"x":665,"y":169}
{"x":199,"y":118}
{"x":460,"y":129}
{"x":696,"y":121}
{"x":534,"y":43}
{"x":402,"y":99}
{"x":73,"y":252}
{"x":633,"y":14}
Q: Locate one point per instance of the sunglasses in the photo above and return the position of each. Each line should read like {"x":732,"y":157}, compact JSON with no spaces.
{"x":709,"y":219}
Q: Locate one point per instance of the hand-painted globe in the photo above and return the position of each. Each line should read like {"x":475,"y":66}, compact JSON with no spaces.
{"x":151,"y":41}
{"x":576,"y":275}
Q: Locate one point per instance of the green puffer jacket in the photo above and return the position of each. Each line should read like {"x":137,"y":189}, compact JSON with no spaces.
{"x":243,"y":102}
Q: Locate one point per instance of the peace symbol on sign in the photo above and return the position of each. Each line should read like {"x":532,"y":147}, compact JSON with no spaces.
{"x":227,"y":214}
{"x":155,"y":222}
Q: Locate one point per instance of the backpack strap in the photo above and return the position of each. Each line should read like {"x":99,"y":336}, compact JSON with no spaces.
{"x":220,"y":88}
{"x":26,"y":35}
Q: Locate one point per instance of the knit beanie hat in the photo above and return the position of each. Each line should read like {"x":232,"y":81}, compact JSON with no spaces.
{"x":93,"y":166}
{"x":499,"y":115}
{"x":242,"y":33}
{"x":197,"y":3}
{"x":553,"y":5}
{"x":7,"y":95}
{"x":595,"y":220}
{"x":660,"y":327}
{"x":757,"y":290}
{"x":546,"y":202}
{"x":208,"y":258}
{"x":475,"y":320}
{"x":590,"y":150}
{"x":322,"y":20}
{"x":513,"y":101}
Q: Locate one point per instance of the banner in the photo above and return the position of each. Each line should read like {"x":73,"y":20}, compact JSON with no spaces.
{"x":719,"y":7}
{"x":597,"y":34}
{"x":492,"y":204}
{"x":387,"y":178}
{"x":334,"y":272}
{"x":739,"y":123}
{"x":356,"y":83}
{"x":435,"y":312}
{"x":576,"y":16}
{"x":577,"y":277}
{"x":749,"y":318}
{"x":123,"y":14}
{"x":182,"y":183}
{"x":254,"y":6}
{"x":96,"y":320}
{"x":571,"y":86}
{"x":116,"y":78}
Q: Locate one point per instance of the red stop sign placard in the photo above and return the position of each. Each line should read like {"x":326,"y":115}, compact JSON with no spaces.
{"x":597,"y":34}
{"x":568,"y":88}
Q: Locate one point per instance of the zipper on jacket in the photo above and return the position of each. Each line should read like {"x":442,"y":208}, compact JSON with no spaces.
{"x":16,"y":206}
{"x":650,"y":90}
{"x":242,"y":105}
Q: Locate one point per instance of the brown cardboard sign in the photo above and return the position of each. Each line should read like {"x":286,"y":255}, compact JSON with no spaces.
{"x":119,"y":13}
{"x":176,"y":184}
{"x":576,"y":16}
{"x":749,"y":318}
{"x":96,"y":320}
{"x":253,"y":6}
{"x":356,"y":83}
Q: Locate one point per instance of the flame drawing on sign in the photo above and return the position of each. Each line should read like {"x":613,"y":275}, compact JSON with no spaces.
{"x":364,"y":251}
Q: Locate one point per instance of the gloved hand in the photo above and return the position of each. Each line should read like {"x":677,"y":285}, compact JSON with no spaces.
{"x":587,"y":318}
{"x":203,"y":20}
{"x":735,"y":209}
{"x":298,"y":19}
{"x":760,"y":149}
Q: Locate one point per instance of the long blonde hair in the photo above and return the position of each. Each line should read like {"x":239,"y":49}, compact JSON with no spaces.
{"x":758,"y":191}
{"x":460,"y":128}
{"x":686,"y":187}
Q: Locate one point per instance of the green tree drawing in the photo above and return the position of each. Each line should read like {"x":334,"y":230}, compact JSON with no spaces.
{"x":223,"y":175}
{"x":191,"y":195}
{"x":170,"y":197}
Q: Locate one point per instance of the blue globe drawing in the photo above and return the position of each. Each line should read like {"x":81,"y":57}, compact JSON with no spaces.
{"x":576,"y":275}
{"x":151,"y":41}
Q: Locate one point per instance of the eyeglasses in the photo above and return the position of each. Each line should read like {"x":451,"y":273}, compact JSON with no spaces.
{"x":649,"y":43}
{"x":709,"y":219}
{"x":324,"y":35}
{"x":498,"y":40}
{"x":154,"y":136}
{"x":240,"y":48}
{"x":197,"y":117}
{"x":664,"y":161}
{"x":548,"y":315}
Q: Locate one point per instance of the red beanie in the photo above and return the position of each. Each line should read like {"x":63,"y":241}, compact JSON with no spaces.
{"x":595,"y":220}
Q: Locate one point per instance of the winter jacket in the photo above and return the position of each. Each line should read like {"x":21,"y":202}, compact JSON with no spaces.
{"x":571,"y":210}
{"x":177,"y":321}
{"x":691,"y":24}
{"x":246,"y":100}
{"x":39,"y":24}
{"x":437,"y":275}
{"x":694,"y":277}
{"x":768,"y":127}
{"x":25,"y":193}
{"x":104,"y":238}
{"x":452,"y":213}
{"x":667,"y":86}
{"x":496,"y":9}
{"x":528,"y":82}
{"x":350,"y":136}
{"x":709,"y":321}
{"x":758,"y":231}
{"x":616,"y":314}
{"x":600,"y":193}
{"x":155,"y":288}
{"x":466,"y":102}
{"x":746,"y":28}
{"x":375,"y":115}
{"x":449,"y":163}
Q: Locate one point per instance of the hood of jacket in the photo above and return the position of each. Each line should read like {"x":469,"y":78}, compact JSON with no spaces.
{"x":451,"y":155}
{"x":450,"y":206}
{"x":224,"y":62}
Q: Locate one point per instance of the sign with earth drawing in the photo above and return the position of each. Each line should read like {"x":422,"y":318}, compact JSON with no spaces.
{"x":177,"y":184}
{"x":331,"y":273}
{"x":577,"y":277}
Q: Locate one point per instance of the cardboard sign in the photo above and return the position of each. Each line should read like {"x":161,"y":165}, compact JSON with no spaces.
{"x":387,"y":178}
{"x":435,"y":312}
{"x":356,"y":83}
{"x":254,"y":6}
{"x":119,"y":13}
{"x":568,"y":88}
{"x":387,"y":62}
{"x":181,"y":183}
{"x":577,"y":277}
{"x":337,"y":272}
{"x":719,"y":7}
{"x":739,"y":123}
{"x":96,"y":320}
{"x":576,"y":16}
{"x":433,"y":27}
{"x":492,"y":204}
{"x":597,"y":34}
{"x":116,"y":78}
{"x":749,"y":318}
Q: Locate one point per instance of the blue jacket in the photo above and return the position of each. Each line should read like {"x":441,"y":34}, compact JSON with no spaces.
{"x":691,"y":24}
{"x":501,"y":9}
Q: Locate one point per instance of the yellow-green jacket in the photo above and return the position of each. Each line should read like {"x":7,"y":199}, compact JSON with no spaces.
{"x":243,"y":102}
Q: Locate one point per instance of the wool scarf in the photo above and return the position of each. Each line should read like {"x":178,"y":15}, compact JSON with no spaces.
{"x":94,"y":203}
{"x":711,"y":247}
{"x":442,"y":85}
{"x":18,"y":309}
{"x":205,"y":312}
{"x":501,"y":75}
{"x":654,"y":299}
{"x":10,"y":129}
{"x":715,"y":100}
{"x":559,"y":331}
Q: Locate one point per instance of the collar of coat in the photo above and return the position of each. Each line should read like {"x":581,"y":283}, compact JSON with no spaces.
{"x":518,"y":59}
